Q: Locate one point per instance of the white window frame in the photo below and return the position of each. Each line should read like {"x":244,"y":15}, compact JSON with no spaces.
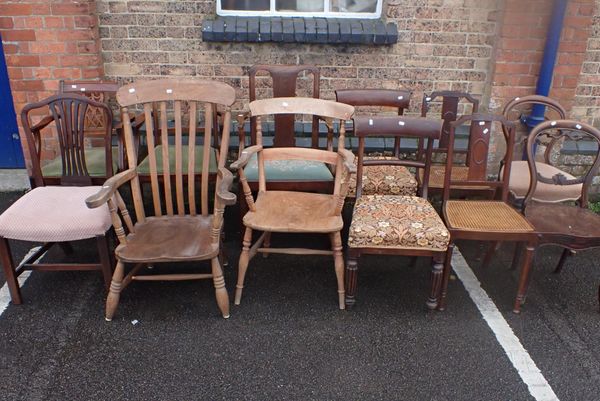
{"x":272,"y":12}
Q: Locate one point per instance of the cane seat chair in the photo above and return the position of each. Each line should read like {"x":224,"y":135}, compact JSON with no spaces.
{"x":177,"y":229}
{"x":56,"y":214}
{"x":484,"y":220}
{"x":396,"y":224}
{"x":378,"y":178}
{"x":570,"y":225}
{"x":287,"y":211}
{"x":453,"y":105}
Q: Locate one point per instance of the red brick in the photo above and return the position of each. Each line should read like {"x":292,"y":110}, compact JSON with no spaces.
{"x":42,"y":73}
{"x":15,"y":72}
{"x":15,"y":9}
{"x":67,"y":73}
{"x":79,"y":61}
{"x":10,"y":48}
{"x":53,"y":22}
{"x":22,"y":60}
{"x":47,"y":47}
{"x":17,"y":35}
{"x":49,"y":60}
{"x":6,"y":23}
{"x":32,"y":85}
{"x":70,"y":9}
{"x":46,"y":35}
{"x":34,"y":22}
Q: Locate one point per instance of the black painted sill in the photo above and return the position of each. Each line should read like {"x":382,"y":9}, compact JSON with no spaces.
{"x":299,"y":30}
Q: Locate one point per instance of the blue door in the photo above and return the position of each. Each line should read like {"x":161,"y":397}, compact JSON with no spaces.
{"x":11,"y":154}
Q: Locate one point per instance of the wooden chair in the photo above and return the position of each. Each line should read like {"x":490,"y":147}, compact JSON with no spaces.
{"x":294,"y":211}
{"x":517,"y":110}
{"x":381,"y":179}
{"x":484,"y":220}
{"x":56,"y":214}
{"x":175,"y":233}
{"x":286,"y":175}
{"x":449,"y":113}
{"x":566,"y":224}
{"x":396,"y":224}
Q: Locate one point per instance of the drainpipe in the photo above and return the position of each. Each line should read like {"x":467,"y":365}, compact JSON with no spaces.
{"x":548,"y":61}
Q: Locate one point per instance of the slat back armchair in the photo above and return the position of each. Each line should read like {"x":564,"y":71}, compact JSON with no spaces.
{"x":483,"y":220}
{"x":176,"y":228}
{"x":450,"y":111}
{"x":54,"y":211}
{"x":380,"y":178}
{"x":295,"y":211}
{"x":396,"y":224}
{"x":570,"y":225}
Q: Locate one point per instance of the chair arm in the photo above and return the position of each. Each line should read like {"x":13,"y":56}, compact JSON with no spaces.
{"x":223,"y":189}
{"x":348,"y":158}
{"x":109,"y":188}
{"x":43,"y":123}
{"x":245,"y":156}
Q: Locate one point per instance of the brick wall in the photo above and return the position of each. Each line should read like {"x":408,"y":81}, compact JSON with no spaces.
{"x":45,"y":41}
{"x":443,"y":44}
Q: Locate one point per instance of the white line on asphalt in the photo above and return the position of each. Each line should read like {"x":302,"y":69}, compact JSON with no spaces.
{"x":4,"y":293}
{"x":517,"y":354}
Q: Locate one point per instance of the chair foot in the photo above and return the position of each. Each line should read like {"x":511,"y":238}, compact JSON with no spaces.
{"x":238,"y":295}
{"x":351,"y":281}
{"x":114,"y":293}
{"x":342,"y":300}
{"x":220,"y":291}
{"x":350,"y":302}
{"x":437,"y":269}
{"x":10,"y":274}
{"x":243,"y":265}
{"x":338,"y":259}
{"x":107,"y":319}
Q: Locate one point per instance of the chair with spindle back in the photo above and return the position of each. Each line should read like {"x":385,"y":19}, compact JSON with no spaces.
{"x":450,"y":111}
{"x":287,"y":211}
{"x":379,"y":178}
{"x":175,"y":233}
{"x":54,"y":211}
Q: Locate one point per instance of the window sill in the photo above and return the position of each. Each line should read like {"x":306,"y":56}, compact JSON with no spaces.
{"x":299,"y":30}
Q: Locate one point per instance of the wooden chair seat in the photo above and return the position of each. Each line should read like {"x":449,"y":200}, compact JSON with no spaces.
{"x":144,"y":166}
{"x":289,"y":170}
{"x":295,"y":212}
{"x":485,"y":216}
{"x":95,"y":161}
{"x":385,"y":180}
{"x":170,"y":238}
{"x":563,"y":220}
{"x":398,"y":222}
{"x":520,"y":180}
{"x":54,"y":214}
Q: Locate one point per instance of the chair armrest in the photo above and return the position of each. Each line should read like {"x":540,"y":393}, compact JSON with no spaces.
{"x":223,"y":189}
{"x":245,"y":156}
{"x":43,"y":123}
{"x":348,"y":158}
{"x":109,"y":188}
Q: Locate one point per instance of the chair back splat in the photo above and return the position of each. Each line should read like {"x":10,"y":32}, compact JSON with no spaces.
{"x":68,"y":111}
{"x":172,"y":97}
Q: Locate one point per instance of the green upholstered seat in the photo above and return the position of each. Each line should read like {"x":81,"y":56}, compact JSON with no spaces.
{"x":144,"y":166}
{"x":289,"y":170}
{"x":94,"y":160}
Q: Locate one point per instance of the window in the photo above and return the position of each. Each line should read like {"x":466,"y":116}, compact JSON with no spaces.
{"x":301,"y":8}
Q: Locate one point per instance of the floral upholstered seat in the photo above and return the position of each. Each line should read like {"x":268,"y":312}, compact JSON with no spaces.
{"x":385,"y":180}
{"x":397,"y":222}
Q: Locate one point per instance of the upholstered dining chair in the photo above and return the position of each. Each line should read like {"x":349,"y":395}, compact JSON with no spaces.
{"x":396,"y":224}
{"x":287,"y":211}
{"x":181,"y":227}
{"x":484,"y":220}
{"x":570,"y":225}
{"x":381,"y":179}
{"x":453,"y":105}
{"x":56,"y":214}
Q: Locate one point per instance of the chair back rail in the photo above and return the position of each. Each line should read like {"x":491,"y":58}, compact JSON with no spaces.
{"x":405,"y":127}
{"x":399,"y":99}
{"x":161,"y":100}
{"x":284,"y":84}
{"x":480,"y":132}
{"x":68,"y":111}
{"x":558,"y":130}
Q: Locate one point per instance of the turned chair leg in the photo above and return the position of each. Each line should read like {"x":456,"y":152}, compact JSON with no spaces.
{"x":437,"y":268}
{"x":243,"y":265}
{"x":351,"y":280}
{"x":114,"y":293}
{"x":524,"y":278}
{"x":220,"y":291}
{"x":9,"y":272}
{"x":445,"y":278}
{"x":517,"y":255}
{"x":492,"y":249}
{"x":266,"y":244}
{"x":105,"y":259}
{"x":338,"y":258}
{"x":563,"y":258}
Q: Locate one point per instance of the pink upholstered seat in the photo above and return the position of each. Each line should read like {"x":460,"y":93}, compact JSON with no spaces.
{"x":519,"y":183}
{"x":54,"y":214}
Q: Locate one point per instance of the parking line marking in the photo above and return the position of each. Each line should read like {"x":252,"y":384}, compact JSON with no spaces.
{"x":517,"y":354}
{"x":4,"y":293}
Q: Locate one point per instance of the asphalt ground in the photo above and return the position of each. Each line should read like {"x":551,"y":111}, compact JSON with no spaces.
{"x":289,"y":341}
